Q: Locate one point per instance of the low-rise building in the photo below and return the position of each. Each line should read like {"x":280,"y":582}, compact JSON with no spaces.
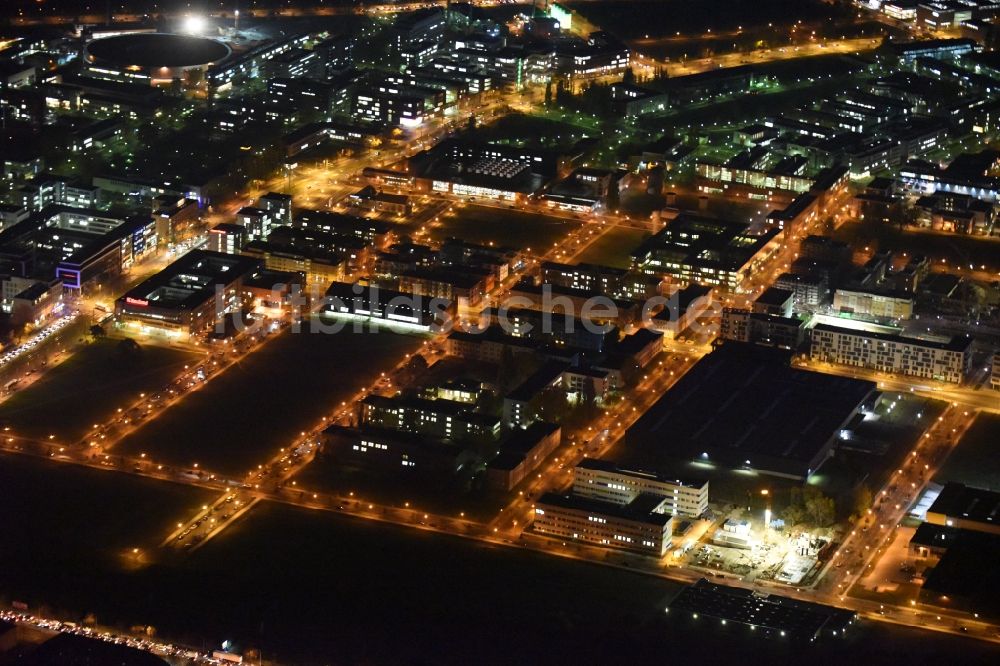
{"x":257,"y":221}
{"x":609,"y":280}
{"x":487,"y":346}
{"x":47,"y":190}
{"x":228,"y":238}
{"x":321,"y":267}
{"x":809,"y":291}
{"x":190,"y":296}
{"x":872,"y":303}
{"x":604,"y":480}
{"x":392,"y":450}
{"x":683,"y":309}
{"x":774,"y":301}
{"x":520,"y":453}
{"x":444,"y":419}
{"x":463,"y":286}
{"x":637,"y":526}
{"x":11,"y":214}
{"x":373,"y":303}
{"x":77,"y":246}
{"x":35,"y":304}
{"x":764,"y":329}
{"x":708,"y":251}
{"x":967,"y":508}
{"x":175,"y":217}
{"x":368,"y":198}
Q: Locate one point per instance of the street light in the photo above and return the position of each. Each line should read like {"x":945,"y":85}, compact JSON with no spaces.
{"x":767,"y":512}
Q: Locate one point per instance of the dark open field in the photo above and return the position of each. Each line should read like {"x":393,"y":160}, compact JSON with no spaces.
{"x":242,"y":417}
{"x":88,"y":387}
{"x":314,"y":588}
{"x":974,"y":461}
{"x":503,"y":226}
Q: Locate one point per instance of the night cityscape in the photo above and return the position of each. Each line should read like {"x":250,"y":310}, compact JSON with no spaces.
{"x":499,"y":331}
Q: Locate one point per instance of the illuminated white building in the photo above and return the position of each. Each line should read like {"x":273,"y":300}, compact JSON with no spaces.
{"x":605,"y":481}
{"x":637,"y":526}
{"x":940,"y":361}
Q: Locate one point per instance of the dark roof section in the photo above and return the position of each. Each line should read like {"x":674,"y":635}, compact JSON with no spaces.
{"x":767,"y":613}
{"x":640,"y":509}
{"x":742,"y":403}
{"x":158,"y":50}
{"x":966,"y":573}
{"x":961,"y":501}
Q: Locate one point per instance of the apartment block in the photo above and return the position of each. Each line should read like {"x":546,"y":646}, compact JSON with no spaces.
{"x":940,"y":361}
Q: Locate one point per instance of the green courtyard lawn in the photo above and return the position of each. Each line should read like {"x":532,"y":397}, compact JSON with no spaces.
{"x":614,"y":248}
{"x":503,"y":226}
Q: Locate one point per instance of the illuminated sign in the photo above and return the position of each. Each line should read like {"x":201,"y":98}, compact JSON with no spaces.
{"x":136,"y":301}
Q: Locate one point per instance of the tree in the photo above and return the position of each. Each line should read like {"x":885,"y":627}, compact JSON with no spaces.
{"x":820,"y":509}
{"x":793,"y":515}
{"x":97,"y":331}
{"x":127,"y":348}
{"x":563,"y":94}
{"x":862,"y":500}
{"x":629,"y":76}
{"x":550,"y":405}
{"x":548,"y":94}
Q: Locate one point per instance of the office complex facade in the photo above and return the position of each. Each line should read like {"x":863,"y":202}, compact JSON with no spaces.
{"x":880,"y":305}
{"x":603,"y":480}
{"x":707,"y":251}
{"x":188,"y":297}
{"x":444,"y":419}
{"x":637,"y":527}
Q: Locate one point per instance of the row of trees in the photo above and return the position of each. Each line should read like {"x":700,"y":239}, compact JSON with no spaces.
{"x":809,"y":504}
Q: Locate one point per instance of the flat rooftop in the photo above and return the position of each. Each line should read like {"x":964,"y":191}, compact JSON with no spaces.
{"x":967,"y":573}
{"x":768,"y":613}
{"x":744,"y":407}
{"x":774,"y":296}
{"x":191,"y":280}
{"x":696,"y":240}
{"x":956,"y":343}
{"x":962,"y":501}
{"x":641,"y":509}
{"x":611,"y":466}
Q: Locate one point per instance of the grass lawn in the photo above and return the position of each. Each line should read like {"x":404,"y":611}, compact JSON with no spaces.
{"x":242,"y":417}
{"x":555,"y":132}
{"x":88,"y":387}
{"x":503,"y":226}
{"x":614,"y":248}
